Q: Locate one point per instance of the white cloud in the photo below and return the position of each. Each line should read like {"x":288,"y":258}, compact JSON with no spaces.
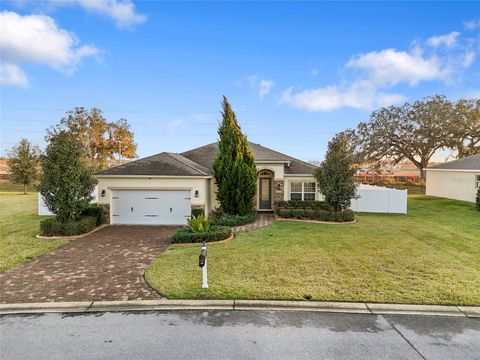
{"x":359,"y":95}
{"x":448,"y":40}
{"x":264,"y":87}
{"x":390,"y":67}
{"x":261,"y":87}
{"x":468,"y":58}
{"x":38,"y":39}
{"x":472,"y":24}
{"x":12,"y":75}
{"x":123,"y":12}
{"x":174,"y":126}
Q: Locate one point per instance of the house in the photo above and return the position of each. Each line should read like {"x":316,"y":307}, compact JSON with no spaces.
{"x":5,"y":172}
{"x":458,"y":179}
{"x":162,"y":189}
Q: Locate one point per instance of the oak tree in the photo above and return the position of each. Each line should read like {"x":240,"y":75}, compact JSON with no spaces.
{"x":101,"y":139}
{"x":412,"y":131}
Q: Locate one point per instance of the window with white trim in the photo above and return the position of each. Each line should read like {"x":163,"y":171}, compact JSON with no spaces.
{"x":302,"y":191}
{"x":477,"y":182}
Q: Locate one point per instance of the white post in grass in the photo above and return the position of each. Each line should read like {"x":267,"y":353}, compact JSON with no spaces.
{"x":202,"y":262}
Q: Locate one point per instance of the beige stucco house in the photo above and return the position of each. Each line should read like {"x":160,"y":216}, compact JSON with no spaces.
{"x":458,"y":179}
{"x":162,"y":189}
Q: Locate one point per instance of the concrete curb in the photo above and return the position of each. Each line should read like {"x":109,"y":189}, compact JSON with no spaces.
{"x":242,"y":305}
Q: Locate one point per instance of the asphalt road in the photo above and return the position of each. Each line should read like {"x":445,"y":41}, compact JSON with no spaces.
{"x":237,"y":335}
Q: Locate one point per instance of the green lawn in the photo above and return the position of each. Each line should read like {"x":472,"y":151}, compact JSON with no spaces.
{"x":430,"y":256}
{"x":18,"y":226}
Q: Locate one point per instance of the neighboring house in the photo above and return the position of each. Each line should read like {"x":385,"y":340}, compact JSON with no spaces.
{"x":4,"y":170}
{"x":458,"y":179}
{"x":162,"y":189}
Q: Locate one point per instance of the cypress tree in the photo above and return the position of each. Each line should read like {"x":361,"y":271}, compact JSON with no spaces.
{"x":335,"y":175}
{"x":234,"y":166}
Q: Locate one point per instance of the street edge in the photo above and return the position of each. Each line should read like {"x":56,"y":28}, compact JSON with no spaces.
{"x":240,"y":305}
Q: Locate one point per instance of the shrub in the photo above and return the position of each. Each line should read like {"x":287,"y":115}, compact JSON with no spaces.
{"x":199,"y":224}
{"x":216,"y":233}
{"x":298,"y":204}
{"x":335,"y":175}
{"x":53,"y":227}
{"x":319,"y":214}
{"x":96,"y":211}
{"x":197,"y":211}
{"x":478,"y":199}
{"x":66,"y":183}
{"x":220,"y":219}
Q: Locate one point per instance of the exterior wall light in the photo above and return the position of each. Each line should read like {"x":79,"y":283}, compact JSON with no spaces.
{"x":104,"y":193}
{"x":196,"y":193}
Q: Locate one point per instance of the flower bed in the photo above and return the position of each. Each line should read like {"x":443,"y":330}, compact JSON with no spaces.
{"x":53,"y":227}
{"x":232,"y":220}
{"x":312,"y":210}
{"x":215,"y":233}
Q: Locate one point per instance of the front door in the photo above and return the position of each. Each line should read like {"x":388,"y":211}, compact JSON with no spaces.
{"x":265,"y":194}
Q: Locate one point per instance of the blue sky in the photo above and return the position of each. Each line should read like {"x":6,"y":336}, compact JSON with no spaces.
{"x":295,"y":72}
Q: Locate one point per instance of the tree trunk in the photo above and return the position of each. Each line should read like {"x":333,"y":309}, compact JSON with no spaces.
{"x":420,"y":165}
{"x":24,"y":189}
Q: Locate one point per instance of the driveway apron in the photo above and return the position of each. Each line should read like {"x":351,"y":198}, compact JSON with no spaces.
{"x":106,"y":265}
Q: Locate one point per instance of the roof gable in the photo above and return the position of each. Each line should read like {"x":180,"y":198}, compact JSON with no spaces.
{"x":205,"y":155}
{"x":163,"y":164}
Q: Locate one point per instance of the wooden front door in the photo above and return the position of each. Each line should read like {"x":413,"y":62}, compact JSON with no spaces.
{"x":265,"y":194}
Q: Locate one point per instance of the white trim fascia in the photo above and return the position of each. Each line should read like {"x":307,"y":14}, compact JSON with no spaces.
{"x":152,"y":177}
{"x":454,"y":170}
{"x":273,"y":162}
{"x":143,"y":188}
{"x":298,"y":175}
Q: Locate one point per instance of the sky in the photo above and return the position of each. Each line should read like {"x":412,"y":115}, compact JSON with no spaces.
{"x":295,"y":72}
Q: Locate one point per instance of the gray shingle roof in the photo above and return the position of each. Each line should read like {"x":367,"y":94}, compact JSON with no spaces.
{"x":205,"y":155}
{"x":163,"y":164}
{"x":467,"y":163}
{"x":198,"y":162}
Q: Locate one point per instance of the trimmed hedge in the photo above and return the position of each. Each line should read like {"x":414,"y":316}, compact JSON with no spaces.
{"x":216,"y":233}
{"x":299,"y":204}
{"x":319,"y":215}
{"x":233,"y":220}
{"x":53,"y":227}
{"x":96,"y":211}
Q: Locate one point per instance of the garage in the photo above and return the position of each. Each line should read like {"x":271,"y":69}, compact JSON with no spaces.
{"x":150,"y":207}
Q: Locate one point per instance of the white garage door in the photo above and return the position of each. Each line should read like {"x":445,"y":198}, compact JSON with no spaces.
{"x":150,"y":207}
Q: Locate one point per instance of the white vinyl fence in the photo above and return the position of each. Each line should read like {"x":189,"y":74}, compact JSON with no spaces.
{"x":43,"y":210}
{"x":379,"y":199}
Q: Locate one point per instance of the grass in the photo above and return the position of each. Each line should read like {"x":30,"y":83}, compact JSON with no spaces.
{"x":7,"y":185}
{"x":18,"y":226}
{"x":430,"y":256}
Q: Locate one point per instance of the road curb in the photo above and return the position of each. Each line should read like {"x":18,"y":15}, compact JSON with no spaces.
{"x":240,"y":305}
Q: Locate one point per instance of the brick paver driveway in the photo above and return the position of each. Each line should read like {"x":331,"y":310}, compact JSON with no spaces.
{"x":106,"y":265}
